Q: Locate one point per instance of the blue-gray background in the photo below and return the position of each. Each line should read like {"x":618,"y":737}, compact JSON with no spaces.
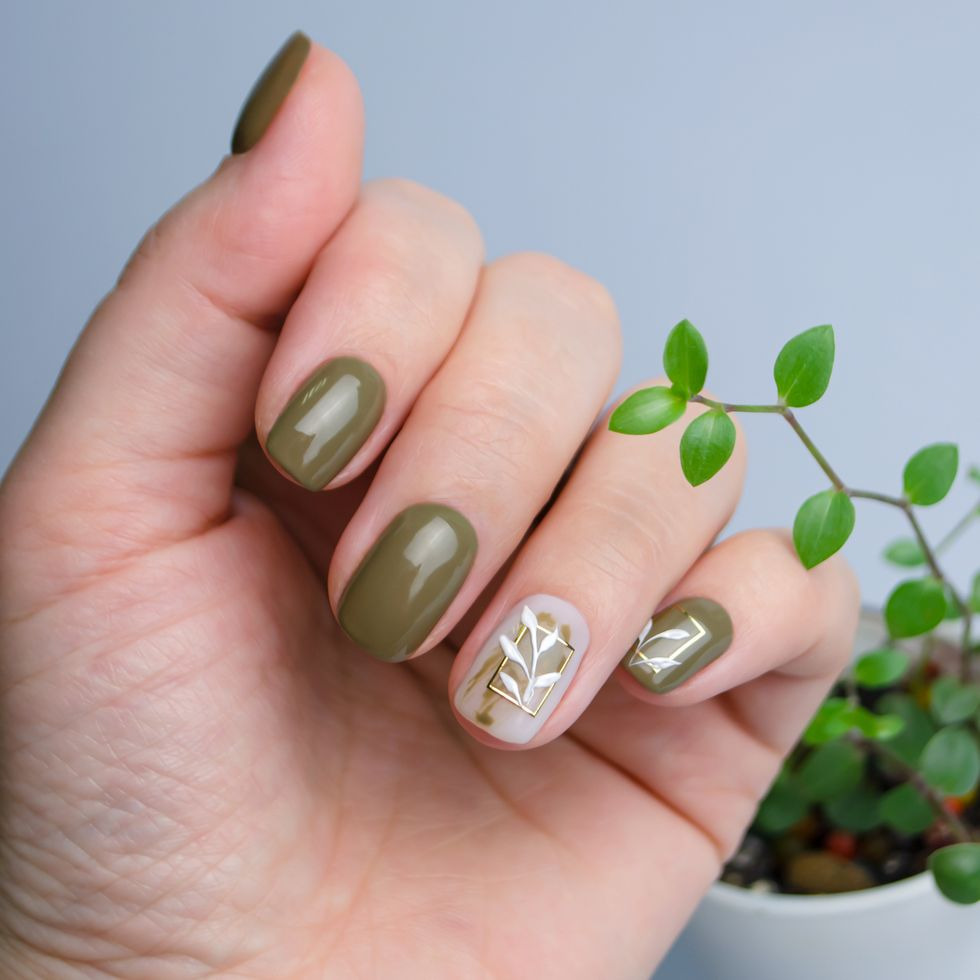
{"x":758,"y":167}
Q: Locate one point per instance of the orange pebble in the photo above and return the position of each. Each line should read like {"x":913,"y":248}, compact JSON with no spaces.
{"x":842,"y":843}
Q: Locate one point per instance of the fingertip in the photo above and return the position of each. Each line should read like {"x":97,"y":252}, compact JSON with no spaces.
{"x":269,"y":92}
{"x":299,"y":65}
{"x":484,"y":738}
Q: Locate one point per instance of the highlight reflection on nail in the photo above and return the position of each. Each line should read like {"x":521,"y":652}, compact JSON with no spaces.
{"x":524,"y":668}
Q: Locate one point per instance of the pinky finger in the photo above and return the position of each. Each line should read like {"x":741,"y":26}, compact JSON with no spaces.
{"x":747,"y":608}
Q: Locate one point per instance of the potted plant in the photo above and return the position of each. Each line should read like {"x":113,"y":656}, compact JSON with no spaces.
{"x":866,"y":849}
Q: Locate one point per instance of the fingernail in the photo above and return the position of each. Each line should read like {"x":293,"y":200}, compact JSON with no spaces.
{"x":327,"y":421}
{"x":524,"y":668}
{"x":269,"y":92}
{"x":677,"y":642}
{"x":407,"y":580}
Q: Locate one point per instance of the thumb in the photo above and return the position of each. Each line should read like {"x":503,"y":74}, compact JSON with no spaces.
{"x":137,"y":443}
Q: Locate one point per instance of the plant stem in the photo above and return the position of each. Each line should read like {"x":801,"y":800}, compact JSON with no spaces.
{"x":814,"y":452}
{"x":958,"y":528}
{"x":901,"y":503}
{"x":916,"y":779}
{"x":730,"y":407}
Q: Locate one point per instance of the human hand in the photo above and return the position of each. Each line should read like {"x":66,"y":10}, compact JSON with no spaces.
{"x":202,"y":774}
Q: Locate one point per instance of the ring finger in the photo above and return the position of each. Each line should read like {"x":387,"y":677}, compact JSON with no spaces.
{"x":625,"y":529}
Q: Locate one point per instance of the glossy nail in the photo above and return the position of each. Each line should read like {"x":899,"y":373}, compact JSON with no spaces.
{"x":524,"y":668}
{"x":327,"y":421}
{"x":408,"y":580}
{"x":677,"y":642}
{"x":269,"y":93}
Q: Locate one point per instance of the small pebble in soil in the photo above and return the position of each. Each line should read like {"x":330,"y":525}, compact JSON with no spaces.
{"x":896,"y":866}
{"x":785,"y":847}
{"x":937,"y":836}
{"x":875,"y":846}
{"x":842,"y":843}
{"x":822,"y":873}
{"x":807,"y":828}
{"x":753,"y":860}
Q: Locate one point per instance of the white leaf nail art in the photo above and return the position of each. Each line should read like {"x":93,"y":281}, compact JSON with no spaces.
{"x":550,"y":640}
{"x":511,"y":685}
{"x":524,"y":668}
{"x":529,"y":619}
{"x":546,"y":680}
{"x":641,"y":639}
{"x":512,"y":653}
{"x":541,"y":641}
{"x":674,"y":634}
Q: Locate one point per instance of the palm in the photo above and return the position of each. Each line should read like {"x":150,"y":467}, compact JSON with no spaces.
{"x":268,"y":801}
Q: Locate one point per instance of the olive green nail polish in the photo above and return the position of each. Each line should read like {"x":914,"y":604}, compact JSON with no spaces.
{"x":407,"y":580}
{"x":269,"y":92}
{"x":327,"y":421}
{"x":677,"y":642}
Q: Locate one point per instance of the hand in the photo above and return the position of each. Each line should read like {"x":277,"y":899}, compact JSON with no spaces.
{"x":202,"y":774}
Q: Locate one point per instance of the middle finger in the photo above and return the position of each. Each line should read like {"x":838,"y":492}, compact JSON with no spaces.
{"x":478,"y":456}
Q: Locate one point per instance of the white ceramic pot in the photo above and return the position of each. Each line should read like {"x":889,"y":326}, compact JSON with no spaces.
{"x":902,"y":931}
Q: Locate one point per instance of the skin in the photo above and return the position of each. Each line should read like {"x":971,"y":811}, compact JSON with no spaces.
{"x":201,"y":775}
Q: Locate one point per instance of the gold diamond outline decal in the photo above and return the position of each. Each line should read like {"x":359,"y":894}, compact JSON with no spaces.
{"x":501,"y":691}
{"x":639,"y":659}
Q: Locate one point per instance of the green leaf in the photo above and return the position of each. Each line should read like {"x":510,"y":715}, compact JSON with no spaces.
{"x":953,"y":610}
{"x":857,"y":811}
{"x":906,"y":810}
{"x":822,"y":525}
{"x":783,"y":806}
{"x":915,"y":607}
{"x":911,"y":740}
{"x":930,"y":473}
{"x":906,"y":552}
{"x":952,"y":701}
{"x":686,"y":358}
{"x":974,"y":600}
{"x":833,"y":718}
{"x":831,"y":770}
{"x":957,"y":872}
{"x":951,"y":761}
{"x":648,"y":410}
{"x":803,"y":367}
{"x":974,"y":473}
{"x":706,"y":446}
{"x":880,"y":668}
{"x":882,"y":728}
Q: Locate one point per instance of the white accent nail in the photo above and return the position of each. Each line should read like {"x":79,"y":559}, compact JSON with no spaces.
{"x":524,"y":668}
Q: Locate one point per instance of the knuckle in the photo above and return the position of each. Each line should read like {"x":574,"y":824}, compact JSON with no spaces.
{"x":429,"y":204}
{"x":562,"y":280}
{"x":485,"y":441}
{"x":828,"y":592}
{"x":766,"y":556}
{"x":547,"y":291}
{"x":638,"y":539}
